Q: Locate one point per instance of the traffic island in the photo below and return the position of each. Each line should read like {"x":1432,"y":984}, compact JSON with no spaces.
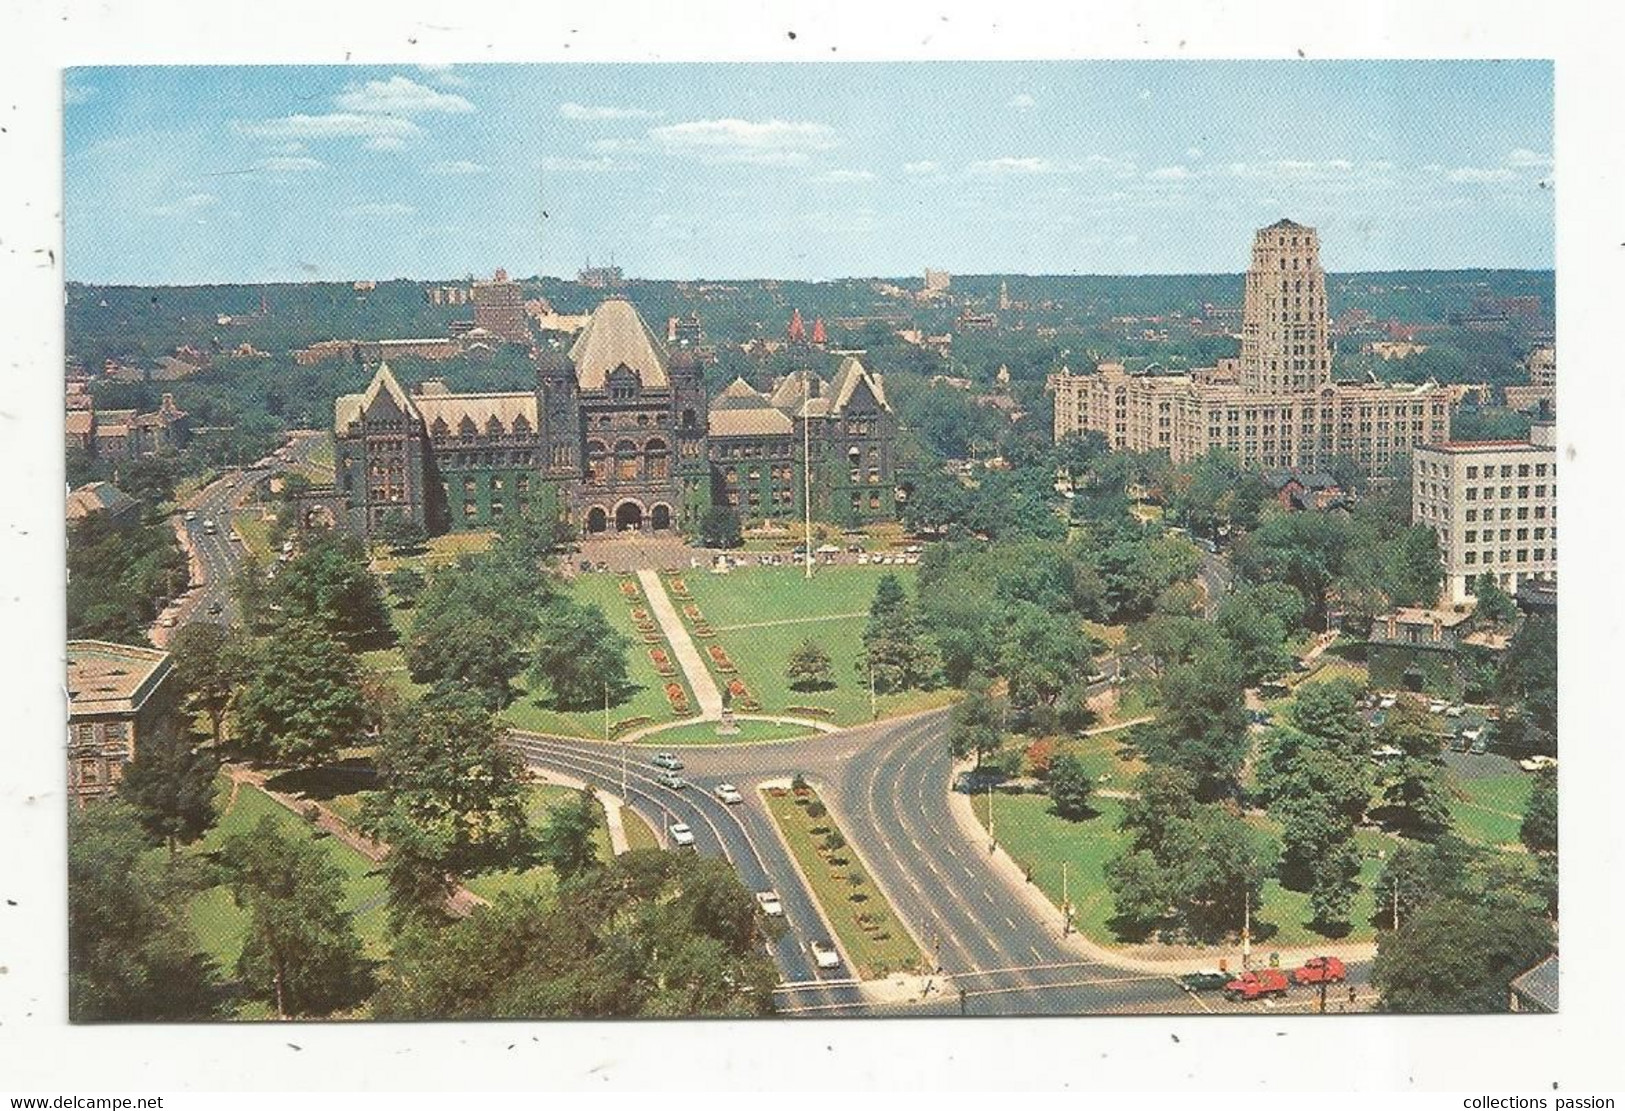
{"x":869,"y":933}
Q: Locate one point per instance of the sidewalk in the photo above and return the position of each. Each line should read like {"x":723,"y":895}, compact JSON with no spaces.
{"x":610,"y":804}
{"x":682,"y":646}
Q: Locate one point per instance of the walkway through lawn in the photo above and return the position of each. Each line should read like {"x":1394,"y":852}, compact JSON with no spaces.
{"x":790,"y":621}
{"x":688,"y":657}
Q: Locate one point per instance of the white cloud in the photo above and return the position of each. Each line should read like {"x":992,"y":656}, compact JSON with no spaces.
{"x":193,"y":202}
{"x":1291,"y":169}
{"x":1019,"y":167}
{"x":385,"y":142}
{"x":1020,"y":102}
{"x":580,"y":165}
{"x":1474,"y":175}
{"x":443,"y":73}
{"x":841,"y":177}
{"x":925,"y":167}
{"x":461,"y":166}
{"x":333,"y":125}
{"x":378,"y":208}
{"x":1522,"y":156}
{"x":75,"y":93}
{"x":1169,"y":173}
{"x":1193,"y":153}
{"x":768,"y":142}
{"x":572,"y":111}
{"x":288,"y":165}
{"x":399,"y":96}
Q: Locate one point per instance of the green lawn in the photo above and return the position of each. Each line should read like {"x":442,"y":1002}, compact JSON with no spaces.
{"x":868,"y":930}
{"x":440,"y":550}
{"x":705,"y":733}
{"x":539,"y":798}
{"x":255,"y":531}
{"x":1039,"y":841}
{"x":761,"y":614}
{"x":319,"y":465}
{"x":1489,"y":810}
{"x":221,"y":926}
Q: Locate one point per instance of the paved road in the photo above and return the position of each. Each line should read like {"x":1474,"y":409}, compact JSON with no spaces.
{"x":1217,"y":579}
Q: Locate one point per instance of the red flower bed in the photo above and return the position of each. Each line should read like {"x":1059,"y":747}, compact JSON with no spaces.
{"x":679,"y":588}
{"x":720,"y":658}
{"x":629,"y":589}
{"x":640,"y":614}
{"x":737,"y":689}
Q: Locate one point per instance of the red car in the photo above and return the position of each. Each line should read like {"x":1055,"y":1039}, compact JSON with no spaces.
{"x":1319,"y":969}
{"x":1256,"y":985}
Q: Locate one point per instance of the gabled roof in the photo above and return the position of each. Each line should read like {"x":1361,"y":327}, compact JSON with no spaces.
{"x":98,"y":497}
{"x":1539,"y":984}
{"x":348,"y":409}
{"x":479,"y":408}
{"x":848,"y":378}
{"x":740,"y":394}
{"x":787,"y":391}
{"x":762,"y":421}
{"x":616,"y":336}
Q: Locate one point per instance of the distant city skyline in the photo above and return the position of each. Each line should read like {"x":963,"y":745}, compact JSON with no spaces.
{"x":178,"y":175}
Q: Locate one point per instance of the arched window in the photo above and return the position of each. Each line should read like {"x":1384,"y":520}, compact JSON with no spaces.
{"x":626,"y":461}
{"x":597,"y":461}
{"x":657,"y":459}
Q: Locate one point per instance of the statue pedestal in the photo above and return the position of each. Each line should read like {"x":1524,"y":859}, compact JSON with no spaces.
{"x":727,"y":727}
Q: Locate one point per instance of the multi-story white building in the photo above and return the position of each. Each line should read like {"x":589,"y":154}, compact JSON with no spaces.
{"x":1279,"y":407}
{"x":1493,"y":506}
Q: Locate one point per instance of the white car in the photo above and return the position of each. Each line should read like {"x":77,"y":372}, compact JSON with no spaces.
{"x":1536,"y":763}
{"x":825,"y":955}
{"x":728,"y":793}
{"x":681,"y":834}
{"x":769,"y":902}
{"x":1386,"y":702}
{"x":1453,"y":712}
{"x":671,"y":780}
{"x":666,"y":760}
{"x":191,"y":514}
{"x":1437,"y":707}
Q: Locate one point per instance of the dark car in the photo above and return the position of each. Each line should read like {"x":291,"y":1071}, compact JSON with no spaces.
{"x":216,"y":608}
{"x":1208,"y":979}
{"x":586,"y":565}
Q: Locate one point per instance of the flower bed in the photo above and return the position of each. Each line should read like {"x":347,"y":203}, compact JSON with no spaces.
{"x":704,"y":631}
{"x":678,"y":697}
{"x":630,"y":723}
{"x":663,"y":663}
{"x":692,"y":612}
{"x":629,"y":591}
{"x":720,"y":658}
{"x":741,"y":696}
{"x":679,"y":588}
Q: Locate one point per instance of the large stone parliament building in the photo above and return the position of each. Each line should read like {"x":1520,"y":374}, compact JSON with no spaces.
{"x":618,"y":434}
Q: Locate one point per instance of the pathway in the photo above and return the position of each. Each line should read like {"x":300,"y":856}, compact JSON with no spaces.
{"x":682,"y":646}
{"x":790,"y":621}
{"x":608,"y":802}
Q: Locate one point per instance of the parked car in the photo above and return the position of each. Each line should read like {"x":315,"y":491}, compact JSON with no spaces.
{"x":1318,"y":969}
{"x":668,"y":761}
{"x":1536,"y":763}
{"x":1207,"y":979}
{"x":769,"y":902}
{"x":191,"y":514}
{"x":215,"y":608}
{"x":681,"y":835}
{"x":168,"y":621}
{"x":825,"y":955}
{"x":1437,"y":706}
{"x":1453,"y":711}
{"x":1257,"y":985}
{"x":1386,"y":752}
{"x":671,"y":780}
{"x":1386,"y":702}
{"x":728,"y":793}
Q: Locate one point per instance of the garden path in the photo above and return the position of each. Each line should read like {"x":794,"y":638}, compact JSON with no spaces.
{"x":682,"y":646}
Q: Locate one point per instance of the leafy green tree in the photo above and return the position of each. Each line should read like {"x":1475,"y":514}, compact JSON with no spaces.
{"x":209,"y":665}
{"x":896,"y":652}
{"x":1256,"y":636}
{"x":1140,"y":892}
{"x":302,"y":703}
{"x":1494,"y":604}
{"x":1330,"y":710}
{"x":170,"y":785}
{"x":566,"y":842}
{"x":975,"y":727}
{"x":1070,"y":787}
{"x":406,"y":583}
{"x":1042,"y":653}
{"x":415,"y":874}
{"x":1539,"y":829}
{"x":720,"y":528}
{"x":328,"y":584}
{"x":132,"y":954}
{"x":402,"y":533}
{"x":474,"y":627}
{"x":1529,"y":676}
{"x":302,"y":954}
{"x":808,"y":668}
{"x":1414,"y":801}
{"x":1162,"y":796}
{"x":1454,"y":957}
{"x":1336,"y":880}
{"x":578,"y":654}
{"x":119,"y":576}
{"x":444,"y":767}
{"x":1202,"y":727}
{"x":1176,"y":640}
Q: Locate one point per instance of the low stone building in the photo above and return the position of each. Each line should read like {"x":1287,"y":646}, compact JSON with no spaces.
{"x":1429,"y":651}
{"x":119,"y":697}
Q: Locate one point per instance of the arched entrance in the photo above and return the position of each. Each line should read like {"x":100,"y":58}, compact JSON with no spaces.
{"x":628,"y":516}
{"x":660,"y":516}
{"x":597,"y":519}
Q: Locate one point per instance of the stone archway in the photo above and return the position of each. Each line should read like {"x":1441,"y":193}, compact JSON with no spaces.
{"x":597,"y":519}
{"x":660,"y":516}
{"x":628,"y":516}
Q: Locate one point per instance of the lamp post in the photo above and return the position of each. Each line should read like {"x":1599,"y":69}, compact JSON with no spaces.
{"x":992,"y":841}
{"x":1247,"y":929}
{"x":874,"y":711}
{"x":806,"y":469}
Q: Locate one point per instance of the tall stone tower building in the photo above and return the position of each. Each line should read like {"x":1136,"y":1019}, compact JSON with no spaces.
{"x":1284,"y":346}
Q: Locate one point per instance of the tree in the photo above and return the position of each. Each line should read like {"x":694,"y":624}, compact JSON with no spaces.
{"x":578,"y":654}
{"x":402,"y":533}
{"x":328,"y":584}
{"x":1041,"y":654}
{"x":974,"y":727}
{"x":1336,"y":879}
{"x":1202,"y":727}
{"x":170,"y":785}
{"x":415,"y":874}
{"x":406,"y":583}
{"x":1454,"y":957}
{"x":1494,"y":604}
{"x":566,"y":842}
{"x":302,"y":703}
{"x":1330,"y":710}
{"x":302,"y":953}
{"x":1256,"y":636}
{"x":132,"y":954}
{"x":474,"y":626}
{"x":1529,"y":677}
{"x":1069,"y":787}
{"x":720,"y":528}
{"x":896,"y":653}
{"x":809,"y":668}
{"x":209,"y":664}
{"x":445,"y":769}
{"x":1539,"y":829}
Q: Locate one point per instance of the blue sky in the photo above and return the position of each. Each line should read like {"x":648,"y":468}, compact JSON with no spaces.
{"x":190,"y":175}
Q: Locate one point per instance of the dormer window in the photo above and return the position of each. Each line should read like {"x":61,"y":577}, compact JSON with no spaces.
{"x":623,"y":384}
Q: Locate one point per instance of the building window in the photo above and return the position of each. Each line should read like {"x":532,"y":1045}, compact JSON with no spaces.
{"x":1472,"y":557}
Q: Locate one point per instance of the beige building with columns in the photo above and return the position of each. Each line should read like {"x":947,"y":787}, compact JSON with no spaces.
{"x":1282,"y":409}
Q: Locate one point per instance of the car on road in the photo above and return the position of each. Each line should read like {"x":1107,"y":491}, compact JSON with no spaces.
{"x":191,"y":514}
{"x":680,"y":834}
{"x":1536,"y":763}
{"x":168,"y":621}
{"x":1386,"y":702}
{"x":208,"y":527}
{"x":1206,"y":979}
{"x":770,"y":904}
{"x":215,"y":609}
{"x":825,"y":955}
{"x":1257,"y":985}
{"x":667,"y":760}
{"x":672,"y":780}
{"x":1317,"y":970}
{"x":728,"y":793}
{"x":1437,"y":706}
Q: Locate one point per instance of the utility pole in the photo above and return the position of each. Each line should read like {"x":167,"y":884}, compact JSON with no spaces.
{"x":1066,"y":901}
{"x":1396,"y":903}
{"x":1247,"y":929}
{"x":1324,"y":969}
{"x":806,"y":468}
{"x":874,"y":711}
{"x":992,"y":841}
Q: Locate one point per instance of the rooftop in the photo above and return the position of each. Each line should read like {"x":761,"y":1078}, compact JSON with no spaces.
{"x":616,"y":336}
{"x":105,"y":678}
